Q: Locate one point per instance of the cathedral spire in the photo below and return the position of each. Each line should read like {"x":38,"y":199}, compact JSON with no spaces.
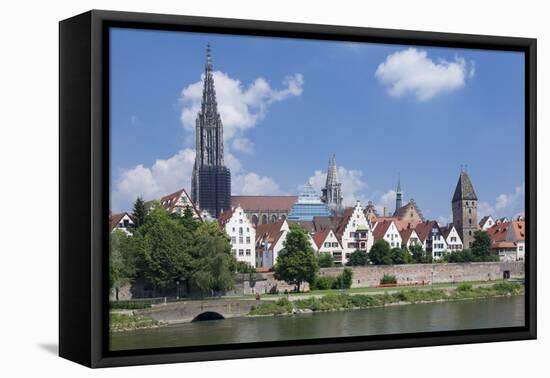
{"x":211,"y":180}
{"x":332,"y":193}
{"x":209,"y":104}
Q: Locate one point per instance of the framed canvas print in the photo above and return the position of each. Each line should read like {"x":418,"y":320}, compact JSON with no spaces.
{"x":234,"y":188}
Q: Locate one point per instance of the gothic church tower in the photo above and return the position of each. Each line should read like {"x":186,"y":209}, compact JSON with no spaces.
{"x":211,"y":180}
{"x":465,"y":209}
{"x":332,"y":193}
{"x":398,"y":196}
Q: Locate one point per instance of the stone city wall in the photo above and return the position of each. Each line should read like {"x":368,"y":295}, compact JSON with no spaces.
{"x":437,"y":273}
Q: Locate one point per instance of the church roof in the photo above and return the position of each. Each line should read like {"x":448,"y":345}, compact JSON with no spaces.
{"x":464,"y":189}
{"x":264,"y":203}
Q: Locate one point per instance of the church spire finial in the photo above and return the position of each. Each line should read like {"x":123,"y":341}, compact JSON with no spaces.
{"x":398,"y":194}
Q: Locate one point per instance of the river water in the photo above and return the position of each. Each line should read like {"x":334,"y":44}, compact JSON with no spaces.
{"x":467,"y":314}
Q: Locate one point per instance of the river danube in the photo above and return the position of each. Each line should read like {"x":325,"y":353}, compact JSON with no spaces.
{"x":468,"y":314}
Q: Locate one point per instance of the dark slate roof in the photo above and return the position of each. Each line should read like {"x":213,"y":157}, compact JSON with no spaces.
{"x":464,"y":189}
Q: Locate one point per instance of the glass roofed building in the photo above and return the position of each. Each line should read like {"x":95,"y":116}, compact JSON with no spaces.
{"x":309,"y":205}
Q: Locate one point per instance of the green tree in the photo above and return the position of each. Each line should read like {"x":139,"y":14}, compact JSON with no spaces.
{"x":213,"y":264}
{"x":296,"y":262}
{"x":465,"y":255}
{"x":400,"y":256}
{"x":481,"y":247}
{"x":388,"y":279}
{"x":122,"y":267}
{"x":161,"y":245}
{"x":358,"y":258}
{"x":344,"y":279}
{"x":139,"y":213}
{"x":325,"y":260}
{"x":419,"y":256}
{"x":379,"y":254}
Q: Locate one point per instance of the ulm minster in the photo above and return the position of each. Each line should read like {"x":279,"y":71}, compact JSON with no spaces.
{"x":170,"y":256}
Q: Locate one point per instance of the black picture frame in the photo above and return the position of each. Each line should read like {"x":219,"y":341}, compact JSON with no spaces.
{"x":84,"y":187}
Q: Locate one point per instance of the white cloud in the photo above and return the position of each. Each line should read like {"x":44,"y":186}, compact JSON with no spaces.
{"x":164,"y":177}
{"x":253,"y":184}
{"x":411,"y":71}
{"x":386,"y":201}
{"x":240,"y":107}
{"x":243,"y":145}
{"x":506,"y":204}
{"x":352,"y":184}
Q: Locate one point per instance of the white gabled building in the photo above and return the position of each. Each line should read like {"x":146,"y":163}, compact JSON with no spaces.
{"x":327,"y":242}
{"x":242,"y":234}
{"x":269,"y":242}
{"x":387,"y":230}
{"x":409,"y":238}
{"x":122,"y":222}
{"x":452,"y":238}
{"x":486,"y":222}
{"x":177,"y":203}
{"x":432,"y":238}
{"x":354,"y":232}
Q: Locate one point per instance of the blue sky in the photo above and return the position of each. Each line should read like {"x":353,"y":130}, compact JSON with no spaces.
{"x":287,"y":105}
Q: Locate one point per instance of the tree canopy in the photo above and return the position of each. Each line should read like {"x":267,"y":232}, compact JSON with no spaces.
{"x":379,"y":254}
{"x":296,"y":262}
{"x":325,"y":260}
{"x":139,"y":213}
{"x":358,"y":258}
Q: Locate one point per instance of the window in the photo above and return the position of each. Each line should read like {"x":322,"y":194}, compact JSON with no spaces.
{"x":241,"y":252}
{"x":240,"y":230}
{"x":248,"y":252}
{"x":248,"y":239}
{"x":234,"y":251}
{"x":351,"y":234}
{"x":327,"y":244}
{"x":233,"y":229}
{"x":335,"y":244}
{"x":240,"y":239}
{"x":233,"y":239}
{"x":240,"y":221}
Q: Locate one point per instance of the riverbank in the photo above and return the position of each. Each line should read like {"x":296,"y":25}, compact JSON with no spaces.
{"x":120,"y":321}
{"x":344,"y":301}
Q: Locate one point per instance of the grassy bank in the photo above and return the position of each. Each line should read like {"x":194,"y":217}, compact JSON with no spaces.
{"x":334,"y":301}
{"x":127,"y":322}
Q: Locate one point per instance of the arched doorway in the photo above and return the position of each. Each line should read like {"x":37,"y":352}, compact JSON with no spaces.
{"x":273,"y":218}
{"x":254,"y":219}
{"x":264,"y":219}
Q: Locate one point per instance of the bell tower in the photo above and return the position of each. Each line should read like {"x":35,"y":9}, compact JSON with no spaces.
{"x":464,"y":205}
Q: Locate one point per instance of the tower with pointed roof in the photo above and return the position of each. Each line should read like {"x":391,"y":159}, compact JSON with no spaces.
{"x":398,"y":195}
{"x":211,"y":180}
{"x":332,"y":192}
{"x":464,"y":205}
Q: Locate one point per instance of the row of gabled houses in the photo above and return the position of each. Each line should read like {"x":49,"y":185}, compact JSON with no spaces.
{"x":258,"y":229}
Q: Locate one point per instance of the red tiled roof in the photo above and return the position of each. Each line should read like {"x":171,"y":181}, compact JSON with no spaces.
{"x":268,"y":231}
{"x":503,"y":244}
{"x":380,"y":229}
{"x":264,"y":203}
{"x":406,"y":234}
{"x":225,"y":217}
{"x":483,"y":220}
{"x":320,"y":237}
{"x":423,"y":229}
{"x":499,"y":232}
{"x":115,"y":219}
{"x":169,"y":201}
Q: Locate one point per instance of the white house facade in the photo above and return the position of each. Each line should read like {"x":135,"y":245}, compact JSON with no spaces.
{"x":387,"y":230}
{"x":327,"y":242}
{"x":354,"y":232}
{"x":242,"y":233}
{"x":452,"y":238}
{"x":122,"y":222}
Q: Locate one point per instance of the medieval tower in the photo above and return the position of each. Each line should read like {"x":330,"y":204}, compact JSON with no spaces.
{"x":465,"y":209}
{"x":332,"y":193}
{"x":211,"y":180}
